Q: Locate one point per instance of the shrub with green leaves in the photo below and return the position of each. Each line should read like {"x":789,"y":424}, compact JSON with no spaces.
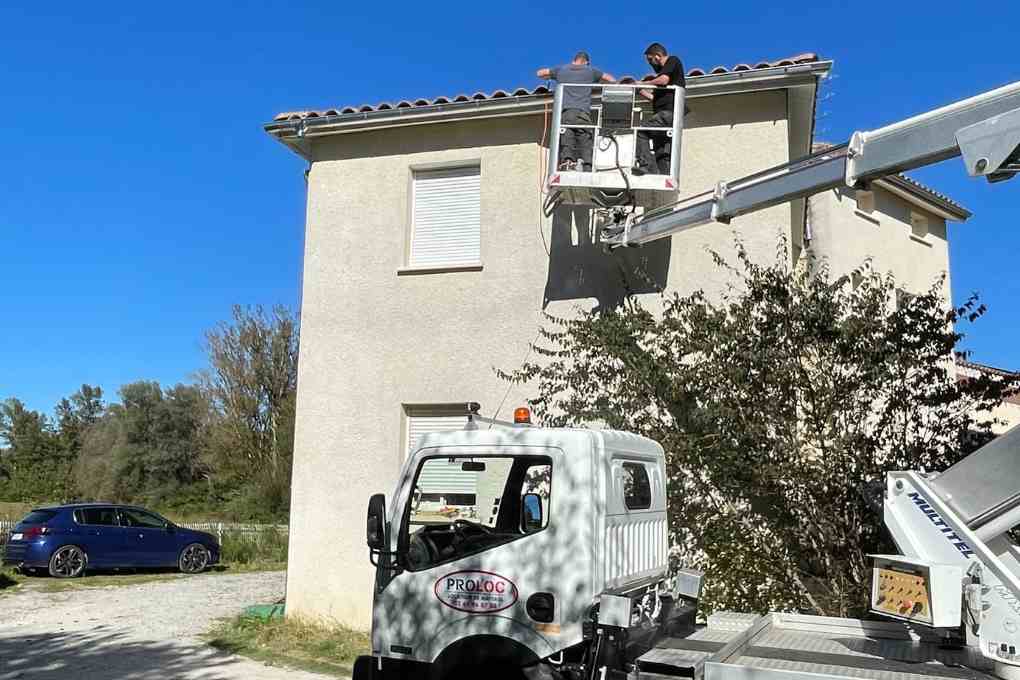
{"x":779,"y":404}
{"x":268,"y":545}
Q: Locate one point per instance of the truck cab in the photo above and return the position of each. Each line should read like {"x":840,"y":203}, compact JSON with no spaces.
{"x":499,"y":541}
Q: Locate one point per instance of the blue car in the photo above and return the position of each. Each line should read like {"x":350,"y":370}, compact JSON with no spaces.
{"x":68,"y":539}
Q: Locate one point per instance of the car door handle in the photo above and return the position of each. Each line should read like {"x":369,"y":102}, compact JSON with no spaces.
{"x":141,"y":535}
{"x":95,"y":532}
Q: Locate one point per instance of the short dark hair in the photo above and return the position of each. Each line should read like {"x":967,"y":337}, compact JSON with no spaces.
{"x":656,"y":48}
{"x":583,"y":56}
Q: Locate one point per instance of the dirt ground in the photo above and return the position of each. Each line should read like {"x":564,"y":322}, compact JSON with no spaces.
{"x":148,"y":631}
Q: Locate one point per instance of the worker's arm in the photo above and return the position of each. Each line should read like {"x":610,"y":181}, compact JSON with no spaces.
{"x":647,"y":94}
{"x":544,"y":73}
{"x":607,"y":78}
{"x":658,"y":81}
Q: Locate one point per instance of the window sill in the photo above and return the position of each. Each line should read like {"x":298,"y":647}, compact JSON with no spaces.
{"x":440,"y":269}
{"x":920,"y":239}
{"x":867,"y":216}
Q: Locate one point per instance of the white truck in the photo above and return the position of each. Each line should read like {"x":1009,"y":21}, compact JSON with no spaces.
{"x":542,"y":553}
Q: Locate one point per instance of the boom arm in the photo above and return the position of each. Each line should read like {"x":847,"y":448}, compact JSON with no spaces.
{"x":984,"y":129}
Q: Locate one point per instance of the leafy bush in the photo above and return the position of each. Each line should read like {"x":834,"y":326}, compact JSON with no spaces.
{"x":266,"y":546}
{"x":778,"y":405}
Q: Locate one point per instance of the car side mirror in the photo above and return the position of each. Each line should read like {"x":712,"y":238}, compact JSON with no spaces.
{"x":531,"y":513}
{"x":376,"y":524}
{"x":170,"y":528}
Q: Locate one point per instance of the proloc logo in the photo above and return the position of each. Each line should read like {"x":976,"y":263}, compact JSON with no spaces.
{"x":924,"y":506}
{"x":476,"y":592}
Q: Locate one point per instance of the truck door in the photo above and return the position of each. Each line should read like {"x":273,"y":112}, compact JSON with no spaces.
{"x":476,"y":556}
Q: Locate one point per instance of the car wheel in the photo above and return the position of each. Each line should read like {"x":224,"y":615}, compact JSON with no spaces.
{"x":194,"y":558}
{"x":68,"y":562}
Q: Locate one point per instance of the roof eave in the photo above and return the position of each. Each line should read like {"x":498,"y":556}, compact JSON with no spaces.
{"x":927,"y":200}
{"x":295,"y":134}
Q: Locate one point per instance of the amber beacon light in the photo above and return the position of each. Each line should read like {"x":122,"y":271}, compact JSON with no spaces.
{"x":522,"y":416}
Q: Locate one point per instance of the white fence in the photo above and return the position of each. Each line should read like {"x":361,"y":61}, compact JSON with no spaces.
{"x":254,"y":533}
{"x":245,"y":532}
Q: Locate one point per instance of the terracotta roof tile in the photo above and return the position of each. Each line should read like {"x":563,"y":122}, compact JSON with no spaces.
{"x":806,"y":58}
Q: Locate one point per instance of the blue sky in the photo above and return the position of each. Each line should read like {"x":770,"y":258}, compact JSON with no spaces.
{"x":140,"y":198}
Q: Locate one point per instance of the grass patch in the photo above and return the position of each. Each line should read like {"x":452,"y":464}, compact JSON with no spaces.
{"x":9,"y":579}
{"x":112,"y":579}
{"x":267,"y":546}
{"x":292,"y":642}
{"x":55,"y":585}
{"x":15,"y":511}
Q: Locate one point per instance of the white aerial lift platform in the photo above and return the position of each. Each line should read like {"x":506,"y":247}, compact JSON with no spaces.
{"x":609,"y":182}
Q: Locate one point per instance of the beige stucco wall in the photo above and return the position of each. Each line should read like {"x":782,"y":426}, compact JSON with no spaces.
{"x":1006,"y":415}
{"x":847,"y":237}
{"x":374,"y":340}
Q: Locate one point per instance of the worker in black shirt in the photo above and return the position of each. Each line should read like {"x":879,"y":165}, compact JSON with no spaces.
{"x":668,"y":71}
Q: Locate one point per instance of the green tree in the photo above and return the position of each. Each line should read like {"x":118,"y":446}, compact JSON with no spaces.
{"x":34,"y":469}
{"x":74,"y":415}
{"x":147,"y":448}
{"x":778,"y":405}
{"x":252,"y":385}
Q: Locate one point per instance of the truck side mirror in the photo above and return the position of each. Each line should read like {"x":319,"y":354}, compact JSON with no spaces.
{"x":531,"y":513}
{"x":376,"y":525}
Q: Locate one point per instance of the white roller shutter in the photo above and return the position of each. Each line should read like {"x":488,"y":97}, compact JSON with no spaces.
{"x":446,"y":217}
{"x":439,"y":476}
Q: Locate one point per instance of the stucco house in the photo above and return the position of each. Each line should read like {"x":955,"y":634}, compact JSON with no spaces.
{"x":428,"y":262}
{"x":1007,"y":414}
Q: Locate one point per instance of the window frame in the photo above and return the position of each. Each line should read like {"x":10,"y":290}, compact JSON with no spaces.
{"x":121,"y":511}
{"x":407,"y":267}
{"x":440,"y":410}
{"x":632,"y":464}
{"x":919,"y":219}
{"x":403,"y":530}
{"x":114,"y":509}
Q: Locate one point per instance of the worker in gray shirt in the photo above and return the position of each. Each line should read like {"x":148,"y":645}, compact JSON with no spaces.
{"x":576,"y":143}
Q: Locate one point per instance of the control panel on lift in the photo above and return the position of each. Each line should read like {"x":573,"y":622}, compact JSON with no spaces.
{"x":916,"y":590}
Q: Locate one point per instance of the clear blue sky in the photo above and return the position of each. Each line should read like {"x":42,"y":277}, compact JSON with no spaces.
{"x":140,"y":198}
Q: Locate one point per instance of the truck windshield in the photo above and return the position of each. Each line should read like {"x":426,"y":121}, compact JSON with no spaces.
{"x":464,"y":504}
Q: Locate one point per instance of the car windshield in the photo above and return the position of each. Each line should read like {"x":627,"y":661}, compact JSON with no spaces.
{"x":468,"y":489}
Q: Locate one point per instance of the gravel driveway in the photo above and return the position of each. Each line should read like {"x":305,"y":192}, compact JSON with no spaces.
{"x":140,"y":632}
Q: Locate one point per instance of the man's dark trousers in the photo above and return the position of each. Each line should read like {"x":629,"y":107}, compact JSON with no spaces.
{"x":576,"y":144}
{"x":660,"y":141}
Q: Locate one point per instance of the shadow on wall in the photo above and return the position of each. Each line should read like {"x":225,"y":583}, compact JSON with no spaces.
{"x":580,"y":268}
{"x":107,"y":653}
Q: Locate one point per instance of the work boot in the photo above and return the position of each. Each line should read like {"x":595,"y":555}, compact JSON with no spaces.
{"x":639,"y":170}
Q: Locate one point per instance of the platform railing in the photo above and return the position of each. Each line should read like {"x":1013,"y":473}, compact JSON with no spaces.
{"x":597,"y":128}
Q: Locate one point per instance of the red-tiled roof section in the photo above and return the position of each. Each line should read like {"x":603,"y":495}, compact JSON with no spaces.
{"x":969,"y":369}
{"x":805,"y":58}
